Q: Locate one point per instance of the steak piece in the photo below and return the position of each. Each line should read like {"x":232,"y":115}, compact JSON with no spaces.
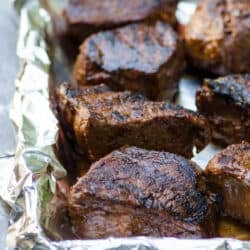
{"x":68,"y":96}
{"x":70,"y":99}
{"x":134,"y":191}
{"x":226,"y":103}
{"x":103,"y":122}
{"x":228,"y":174}
{"x":137,"y":57}
{"x":85,"y":17}
{"x":217,"y":37}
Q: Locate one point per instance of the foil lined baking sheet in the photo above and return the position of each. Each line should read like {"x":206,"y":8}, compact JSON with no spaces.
{"x":29,"y":186}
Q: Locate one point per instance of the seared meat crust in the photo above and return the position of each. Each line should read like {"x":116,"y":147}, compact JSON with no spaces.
{"x":226,"y":103}
{"x":228,"y":174}
{"x":69,"y":98}
{"x":137,"y":57}
{"x":217,"y":37}
{"x":134,"y":191}
{"x":102,"y":122}
{"x":85,"y":17}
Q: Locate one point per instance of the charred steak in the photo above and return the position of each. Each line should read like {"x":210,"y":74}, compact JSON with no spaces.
{"x":137,"y":57}
{"x":226,"y":103}
{"x":217,"y":38}
{"x":134,"y":191}
{"x":69,"y":98}
{"x":103,"y":122}
{"x":228,"y":174}
{"x":85,"y":17}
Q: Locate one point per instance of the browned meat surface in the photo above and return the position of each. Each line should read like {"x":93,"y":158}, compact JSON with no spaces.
{"x":71,"y":99}
{"x":102,"y":122}
{"x":217,"y":37}
{"x":85,"y":17}
{"x":226,"y":103}
{"x":228,"y":174}
{"x":134,"y":191}
{"x":230,"y":228}
{"x":137,"y":57}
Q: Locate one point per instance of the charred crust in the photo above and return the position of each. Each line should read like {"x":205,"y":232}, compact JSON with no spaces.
{"x":233,"y":87}
{"x":151,"y":182}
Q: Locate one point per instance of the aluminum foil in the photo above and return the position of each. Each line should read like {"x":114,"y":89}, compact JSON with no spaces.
{"x":30,"y":184}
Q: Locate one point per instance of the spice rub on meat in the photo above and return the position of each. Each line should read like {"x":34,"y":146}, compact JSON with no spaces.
{"x":85,"y":17}
{"x":228,"y":174}
{"x":71,"y":99}
{"x":217,"y":37}
{"x":139,"y":57}
{"x":226,"y":103}
{"x":102,"y":122}
{"x":134,"y":191}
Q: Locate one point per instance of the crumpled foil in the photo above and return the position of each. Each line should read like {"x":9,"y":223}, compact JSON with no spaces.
{"x":30,"y":184}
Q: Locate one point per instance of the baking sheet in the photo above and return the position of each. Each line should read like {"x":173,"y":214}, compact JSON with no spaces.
{"x":31,"y":186}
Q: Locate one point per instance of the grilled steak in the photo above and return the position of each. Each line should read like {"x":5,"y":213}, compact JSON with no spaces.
{"x":70,"y":99}
{"x":137,"y":57}
{"x":85,"y":17}
{"x":229,"y":174}
{"x":217,"y":38}
{"x":134,"y":191}
{"x":106,"y":121}
{"x":226,"y":103}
